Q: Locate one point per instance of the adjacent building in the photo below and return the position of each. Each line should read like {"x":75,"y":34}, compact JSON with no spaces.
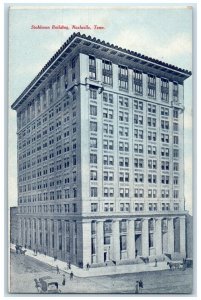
{"x":100,"y":155}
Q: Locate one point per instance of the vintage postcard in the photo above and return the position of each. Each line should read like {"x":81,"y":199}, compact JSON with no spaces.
{"x":100,"y":149}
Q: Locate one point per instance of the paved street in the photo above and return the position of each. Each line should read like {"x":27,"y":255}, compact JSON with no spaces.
{"x":24,"y":269}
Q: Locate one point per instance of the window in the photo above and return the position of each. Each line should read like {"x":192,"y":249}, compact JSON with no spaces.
{"x":137,"y":82}
{"x":94,"y":192}
{"x":175,"y":126}
{"x":151,"y":122}
{"x":93,"y":142}
{"x":151,"y":136}
{"x":165,"y":152}
{"x":138,"y":193}
{"x":123,"y":242}
{"x":107,"y":72}
{"x":175,"y":166}
{"x":165,"y":193}
{"x":93,"y":175}
{"x":176,"y":153}
{"x":165,"y":179}
{"x":176,"y":113}
{"x":164,"y":165}
{"x":165,"y":206}
{"x":164,"y":111}
{"x":151,"y":108}
{"x":92,"y":67}
{"x":93,"y":94}
{"x":139,"y":207}
{"x":151,"y":86}
{"x":164,"y":138}
{"x":152,"y":193}
{"x":93,"y":158}
{"x":138,"y":119}
{"x":175,"y":91}
{"x":93,"y":126}
{"x":138,"y":163}
{"x":175,"y":140}
{"x":139,"y":177}
{"x":176,"y":206}
{"x":175,"y":194}
{"x":93,"y":110}
{"x":164,"y":89}
{"x":125,"y":207}
{"x":123,"y":77}
{"x":138,"y":105}
{"x":108,"y":206}
{"x":138,"y":148}
{"x":94,"y":207}
{"x":164,"y":124}
{"x":152,"y":178}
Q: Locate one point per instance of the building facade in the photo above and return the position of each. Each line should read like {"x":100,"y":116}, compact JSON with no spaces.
{"x":100,"y":156}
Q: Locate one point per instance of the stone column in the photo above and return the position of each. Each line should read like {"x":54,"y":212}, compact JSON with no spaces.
{"x":49,"y":236}
{"x":37,"y":235}
{"x":183,"y":235}
{"x":86,"y":232}
{"x":32,"y":234}
{"x":19,"y":231}
{"x":43,"y":246}
{"x":116,"y":241}
{"x":72,"y":230}
{"x":158,"y":236}
{"x":145,"y":237}
{"x":55,"y":238}
{"x":63,"y":236}
{"x":100,"y":241}
{"x":131,"y":240}
{"x":28,"y":233}
{"x":170,"y":236}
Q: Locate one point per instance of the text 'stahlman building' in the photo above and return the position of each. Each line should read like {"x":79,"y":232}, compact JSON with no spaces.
{"x":100,"y":142}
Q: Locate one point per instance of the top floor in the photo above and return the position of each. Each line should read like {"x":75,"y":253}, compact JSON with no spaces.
{"x":64,"y":69}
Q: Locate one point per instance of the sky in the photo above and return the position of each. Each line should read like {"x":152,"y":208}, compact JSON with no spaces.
{"x":158,"y":32}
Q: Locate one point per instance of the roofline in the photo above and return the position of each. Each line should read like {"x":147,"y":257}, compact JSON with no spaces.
{"x":63,"y":48}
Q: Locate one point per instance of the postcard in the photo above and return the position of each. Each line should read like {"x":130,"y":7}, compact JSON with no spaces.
{"x":100,"y":149}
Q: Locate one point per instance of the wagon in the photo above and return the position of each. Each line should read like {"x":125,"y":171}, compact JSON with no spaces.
{"x":49,"y":285}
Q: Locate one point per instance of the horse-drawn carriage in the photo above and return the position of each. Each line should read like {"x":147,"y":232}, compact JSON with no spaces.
{"x":176,"y":265}
{"x":19,"y":250}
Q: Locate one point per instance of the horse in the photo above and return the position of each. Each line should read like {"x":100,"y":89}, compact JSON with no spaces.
{"x":175,"y":265}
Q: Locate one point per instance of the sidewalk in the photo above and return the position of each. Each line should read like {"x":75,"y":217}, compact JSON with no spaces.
{"x":99,"y":271}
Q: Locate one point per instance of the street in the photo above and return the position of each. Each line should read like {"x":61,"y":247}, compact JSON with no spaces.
{"x":24,"y":269}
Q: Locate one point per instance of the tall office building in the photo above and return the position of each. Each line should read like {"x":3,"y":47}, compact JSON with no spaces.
{"x":100,"y":143}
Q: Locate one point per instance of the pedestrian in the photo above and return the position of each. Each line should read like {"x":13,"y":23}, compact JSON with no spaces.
{"x":71,"y":275}
{"x":64,"y":280}
{"x":57,"y":268}
{"x":69,"y":266}
{"x":140,"y":285}
{"x":156,"y":262}
{"x":136,"y":251}
{"x":137,"y":287}
{"x":88,"y":266}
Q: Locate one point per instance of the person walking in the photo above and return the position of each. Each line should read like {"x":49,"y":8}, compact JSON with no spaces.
{"x":140,"y":285}
{"x":71,"y":275}
{"x":156,"y":262}
{"x":137,"y":287}
{"x":57,"y":268}
{"x":64,"y":280}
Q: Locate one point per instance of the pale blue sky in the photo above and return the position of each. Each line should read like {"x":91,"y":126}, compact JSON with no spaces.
{"x":165,"y":34}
